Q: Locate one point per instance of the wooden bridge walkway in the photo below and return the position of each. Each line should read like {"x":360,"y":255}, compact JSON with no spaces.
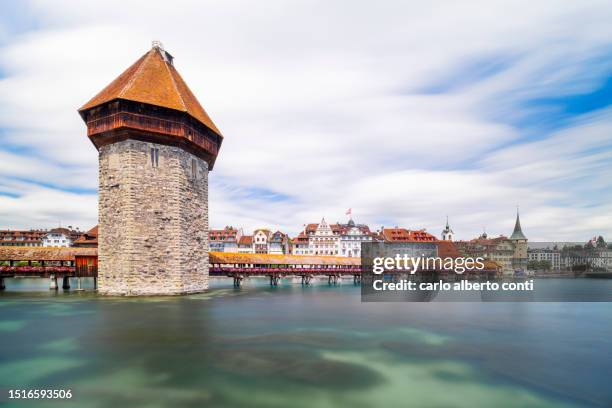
{"x":70,"y":262}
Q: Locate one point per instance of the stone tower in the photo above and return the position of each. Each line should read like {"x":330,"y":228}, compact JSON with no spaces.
{"x":156,"y":146}
{"x":519,"y":240}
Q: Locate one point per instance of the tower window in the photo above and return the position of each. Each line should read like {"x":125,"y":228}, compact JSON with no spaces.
{"x":194,"y":169}
{"x":155,"y":156}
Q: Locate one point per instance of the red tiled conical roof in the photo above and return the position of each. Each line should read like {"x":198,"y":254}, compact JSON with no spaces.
{"x":154,"y":80}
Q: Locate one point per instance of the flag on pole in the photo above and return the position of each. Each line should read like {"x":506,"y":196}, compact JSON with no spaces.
{"x":349,"y":211}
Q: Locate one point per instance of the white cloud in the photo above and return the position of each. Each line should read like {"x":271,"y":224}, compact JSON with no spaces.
{"x":322,"y":103}
{"x":40,"y":207}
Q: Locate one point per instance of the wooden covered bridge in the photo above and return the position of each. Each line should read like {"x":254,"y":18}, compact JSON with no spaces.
{"x":240,"y":266}
{"x":55,"y":263}
{"x":48,"y":262}
{"x":64,"y":263}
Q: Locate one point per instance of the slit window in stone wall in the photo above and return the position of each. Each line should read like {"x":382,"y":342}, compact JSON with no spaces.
{"x":154,"y":156}
{"x":194,"y":169}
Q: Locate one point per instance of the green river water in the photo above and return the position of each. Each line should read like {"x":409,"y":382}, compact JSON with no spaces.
{"x":294,"y":346}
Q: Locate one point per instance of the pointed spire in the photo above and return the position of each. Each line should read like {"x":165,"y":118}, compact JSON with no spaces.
{"x":447,"y":232}
{"x":518,"y":232}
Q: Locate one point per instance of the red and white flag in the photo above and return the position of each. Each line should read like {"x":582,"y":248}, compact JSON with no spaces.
{"x":349,"y":211}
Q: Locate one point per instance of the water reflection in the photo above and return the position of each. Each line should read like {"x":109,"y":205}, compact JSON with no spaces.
{"x":303,"y":347}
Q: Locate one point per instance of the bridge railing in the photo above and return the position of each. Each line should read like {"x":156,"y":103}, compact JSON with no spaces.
{"x":35,"y":270}
{"x":261,"y":270}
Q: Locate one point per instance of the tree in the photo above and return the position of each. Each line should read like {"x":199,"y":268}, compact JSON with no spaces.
{"x":539,"y":265}
{"x":589,"y":246}
{"x":601,"y":243}
{"x":581,"y":267}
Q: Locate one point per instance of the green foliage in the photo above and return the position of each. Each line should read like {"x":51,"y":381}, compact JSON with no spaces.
{"x":601,"y":243}
{"x":539,"y":265}
{"x":581,"y":267}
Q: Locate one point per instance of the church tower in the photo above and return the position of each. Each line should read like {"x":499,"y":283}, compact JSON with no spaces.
{"x":447,"y":232}
{"x":519,"y":240}
{"x":156,"y":146}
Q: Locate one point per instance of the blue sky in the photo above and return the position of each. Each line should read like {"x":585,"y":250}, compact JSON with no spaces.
{"x":406,"y":112}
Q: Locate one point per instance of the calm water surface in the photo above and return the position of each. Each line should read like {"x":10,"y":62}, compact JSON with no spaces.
{"x":309,"y":347}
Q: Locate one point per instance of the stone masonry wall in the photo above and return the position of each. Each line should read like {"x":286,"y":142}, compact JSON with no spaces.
{"x":153,"y":221}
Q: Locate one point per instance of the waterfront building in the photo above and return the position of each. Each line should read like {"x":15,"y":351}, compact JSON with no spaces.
{"x":409,"y":242}
{"x":156,"y":147}
{"x":31,"y":238}
{"x":603,"y":258}
{"x":332,"y":239}
{"x":245,"y":245}
{"x":351,"y":237}
{"x":263,"y":241}
{"x":447,"y":232}
{"x":579,"y":256}
{"x":499,"y":249}
{"x":88,"y":239}
{"x":405,"y":235}
{"x":260,"y":241}
{"x":59,"y":237}
{"x":323,"y":239}
{"x":278,"y":243}
{"x":299,"y":244}
{"x":224,"y":240}
{"x":510,"y":253}
{"x":547,"y":255}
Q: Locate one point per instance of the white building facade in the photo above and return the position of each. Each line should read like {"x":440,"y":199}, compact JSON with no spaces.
{"x":351,"y":237}
{"x":260,"y":241}
{"x":324,"y":240}
{"x":331,"y":239}
{"x":59,"y":237}
{"x":545,"y":254}
{"x":278,"y":243}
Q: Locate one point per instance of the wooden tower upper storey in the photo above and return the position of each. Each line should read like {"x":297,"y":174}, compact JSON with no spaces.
{"x":151,"y":102}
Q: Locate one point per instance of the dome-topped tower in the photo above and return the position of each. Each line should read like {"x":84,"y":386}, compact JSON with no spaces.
{"x":156,"y":146}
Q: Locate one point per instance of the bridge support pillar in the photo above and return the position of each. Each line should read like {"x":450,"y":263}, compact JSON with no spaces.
{"x":306,"y":280}
{"x":2,"y":285}
{"x":53,"y":282}
{"x":95,"y":282}
{"x":66,"y":283}
{"x":79,"y":283}
{"x":273,"y":280}
{"x":333,"y":279}
{"x":357,"y":279}
{"x":237,"y":281}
